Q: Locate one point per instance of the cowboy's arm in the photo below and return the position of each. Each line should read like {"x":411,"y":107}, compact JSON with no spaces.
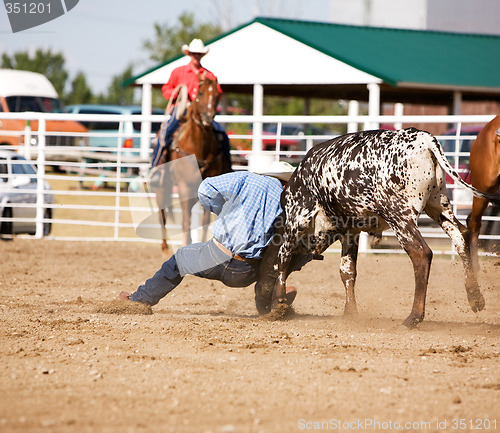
{"x":172,"y":83}
{"x":210,"y":197}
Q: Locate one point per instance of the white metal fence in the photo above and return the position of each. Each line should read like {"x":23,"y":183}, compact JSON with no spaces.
{"x":95,"y":188}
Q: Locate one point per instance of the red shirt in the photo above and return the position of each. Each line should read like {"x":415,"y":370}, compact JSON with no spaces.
{"x":186,"y":75}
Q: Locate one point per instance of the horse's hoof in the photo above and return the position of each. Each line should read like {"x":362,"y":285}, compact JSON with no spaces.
{"x":166,"y":251}
{"x":412,"y":321}
{"x":290,"y":295}
{"x":279,"y":311}
{"x":476,"y":301}
{"x":350,"y":310}
{"x":287,"y":300}
{"x":263,"y":306}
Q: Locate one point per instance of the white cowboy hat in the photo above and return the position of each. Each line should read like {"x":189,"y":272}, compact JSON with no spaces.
{"x":196,"y":46}
{"x":279,"y":169}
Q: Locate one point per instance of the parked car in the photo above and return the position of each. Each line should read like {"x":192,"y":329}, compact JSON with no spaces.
{"x":108,"y":132}
{"x":22,"y":91}
{"x":292,"y":138}
{"x":300,"y":133}
{"x":17,"y":174}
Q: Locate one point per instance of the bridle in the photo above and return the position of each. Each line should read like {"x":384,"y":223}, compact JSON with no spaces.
{"x":205,"y":123}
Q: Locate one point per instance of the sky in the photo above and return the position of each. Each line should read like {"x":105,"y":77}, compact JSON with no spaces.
{"x":102,"y":38}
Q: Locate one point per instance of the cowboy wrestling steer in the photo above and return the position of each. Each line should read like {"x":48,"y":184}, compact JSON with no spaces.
{"x":367,"y":181}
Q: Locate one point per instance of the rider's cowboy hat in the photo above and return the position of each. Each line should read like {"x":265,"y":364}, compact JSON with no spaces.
{"x":279,"y":169}
{"x":196,"y":46}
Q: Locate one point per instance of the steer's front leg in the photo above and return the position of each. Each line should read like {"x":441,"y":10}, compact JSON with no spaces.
{"x":268,"y":270}
{"x":279,"y":293}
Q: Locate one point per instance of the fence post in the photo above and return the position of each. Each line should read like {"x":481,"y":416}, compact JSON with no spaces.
{"x":118,"y":174}
{"x":40,"y":186}
{"x":373,"y":105}
{"x":146,"y":124}
{"x":257,"y":157}
{"x":398,"y":111}
{"x":353,"y":111}
{"x":27,"y":141}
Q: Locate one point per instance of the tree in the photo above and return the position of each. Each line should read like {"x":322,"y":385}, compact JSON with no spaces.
{"x":80,"y":92}
{"x":116,"y":93}
{"x":167,"y":41}
{"x":44,"y":61}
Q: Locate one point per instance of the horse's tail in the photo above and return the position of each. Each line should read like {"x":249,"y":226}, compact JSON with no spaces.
{"x":438,"y":153}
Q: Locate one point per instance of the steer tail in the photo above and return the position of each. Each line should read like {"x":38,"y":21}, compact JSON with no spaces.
{"x":437,"y":151}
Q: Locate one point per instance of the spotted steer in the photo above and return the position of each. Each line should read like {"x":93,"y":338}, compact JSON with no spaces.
{"x":367,"y":181}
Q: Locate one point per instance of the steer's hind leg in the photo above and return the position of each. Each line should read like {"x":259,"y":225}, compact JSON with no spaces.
{"x":421,"y":256}
{"x":440,"y":211}
{"x":348,"y":272}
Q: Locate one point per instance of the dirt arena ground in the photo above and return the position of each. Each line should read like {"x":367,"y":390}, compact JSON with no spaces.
{"x":204,"y":361}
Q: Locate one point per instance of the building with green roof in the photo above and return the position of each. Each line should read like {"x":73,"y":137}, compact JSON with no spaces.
{"x":270,"y":56}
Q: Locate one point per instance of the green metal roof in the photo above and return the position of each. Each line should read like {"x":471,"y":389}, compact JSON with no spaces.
{"x":403,"y":56}
{"x":397,"y":56}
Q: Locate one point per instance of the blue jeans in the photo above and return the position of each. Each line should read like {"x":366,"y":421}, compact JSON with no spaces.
{"x":205,"y":260}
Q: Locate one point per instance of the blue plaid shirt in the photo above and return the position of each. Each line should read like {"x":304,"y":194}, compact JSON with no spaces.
{"x":247,"y":205}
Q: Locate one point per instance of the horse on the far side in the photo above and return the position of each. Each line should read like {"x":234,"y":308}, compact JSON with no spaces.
{"x":195,"y":137}
{"x":485,"y":176}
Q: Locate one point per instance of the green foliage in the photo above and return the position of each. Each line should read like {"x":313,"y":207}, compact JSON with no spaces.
{"x":116,"y":93}
{"x":80,"y":92}
{"x":167,"y":41}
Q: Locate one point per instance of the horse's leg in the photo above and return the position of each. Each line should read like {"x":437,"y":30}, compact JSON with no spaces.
{"x":166,"y":251}
{"x":487,"y":181}
{"x":187,"y":208}
{"x":479,"y":205}
{"x":485,"y":170}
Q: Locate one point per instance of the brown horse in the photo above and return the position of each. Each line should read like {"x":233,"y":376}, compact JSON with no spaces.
{"x":485,"y":176}
{"x":196,"y":138}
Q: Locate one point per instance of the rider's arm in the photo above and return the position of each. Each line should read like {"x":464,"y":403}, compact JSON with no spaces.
{"x":170,"y":86}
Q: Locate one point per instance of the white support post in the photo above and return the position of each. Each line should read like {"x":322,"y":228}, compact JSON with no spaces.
{"x":353,"y":110}
{"x":373,"y":110}
{"x":147,"y":97}
{"x":457,"y":103}
{"x":27,"y":141}
{"x":257,"y":159}
{"x":40,"y":188}
{"x":373,"y":104}
{"x":398,"y":111}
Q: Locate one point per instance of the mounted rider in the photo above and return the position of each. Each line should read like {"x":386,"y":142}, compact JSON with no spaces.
{"x":188,"y":75}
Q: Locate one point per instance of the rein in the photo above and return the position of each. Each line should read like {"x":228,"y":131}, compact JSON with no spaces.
{"x":195,"y":116}
{"x":181,"y":93}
